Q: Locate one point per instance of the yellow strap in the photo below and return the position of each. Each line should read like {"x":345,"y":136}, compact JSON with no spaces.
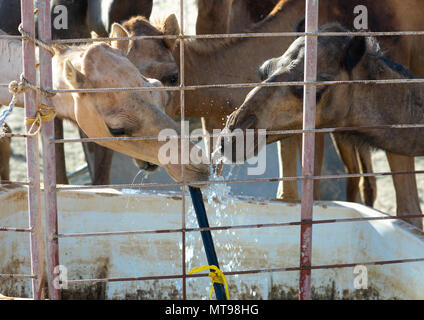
{"x":44,"y":114}
{"x":217,"y":276}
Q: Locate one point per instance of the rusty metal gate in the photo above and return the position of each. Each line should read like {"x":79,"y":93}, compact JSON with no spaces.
{"x":33,"y":99}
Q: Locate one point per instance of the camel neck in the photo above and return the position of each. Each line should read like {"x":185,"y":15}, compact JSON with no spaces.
{"x":237,"y":59}
{"x":234,"y":60}
{"x":390,"y":105}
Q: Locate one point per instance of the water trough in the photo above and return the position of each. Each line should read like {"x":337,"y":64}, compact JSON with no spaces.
{"x":159,"y":254}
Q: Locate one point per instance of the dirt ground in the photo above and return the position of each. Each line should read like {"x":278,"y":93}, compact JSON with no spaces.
{"x":386,"y":200}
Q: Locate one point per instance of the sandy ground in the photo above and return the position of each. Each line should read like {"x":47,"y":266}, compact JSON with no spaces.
{"x":75,"y":158}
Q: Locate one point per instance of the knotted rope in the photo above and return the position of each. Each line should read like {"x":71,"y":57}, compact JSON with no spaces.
{"x":44,"y":113}
{"x":38,"y":42}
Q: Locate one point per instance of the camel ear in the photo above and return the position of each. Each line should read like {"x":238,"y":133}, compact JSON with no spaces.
{"x":118,"y":31}
{"x":94,"y":35}
{"x":355,"y":50}
{"x":171,"y":27}
{"x":73,"y":77}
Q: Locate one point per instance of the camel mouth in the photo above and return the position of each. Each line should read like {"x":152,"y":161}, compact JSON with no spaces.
{"x":146,"y":166}
{"x":243,"y":124}
{"x":192,"y":173}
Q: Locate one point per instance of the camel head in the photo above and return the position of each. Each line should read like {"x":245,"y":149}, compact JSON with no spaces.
{"x":152,"y":57}
{"x":124,"y":113}
{"x":281,"y":107}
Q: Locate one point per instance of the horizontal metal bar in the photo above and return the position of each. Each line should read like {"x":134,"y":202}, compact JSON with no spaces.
{"x":7,"y":229}
{"x":235,"y":134}
{"x":18,"y":183}
{"x":254,"y":271}
{"x":231,"y":35}
{"x":13,"y":135}
{"x":126,"y":279}
{"x":202,"y":183}
{"x":17,"y":276}
{"x":233,"y":227}
{"x":237,"y":85}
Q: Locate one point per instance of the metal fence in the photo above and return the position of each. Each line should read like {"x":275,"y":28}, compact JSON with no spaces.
{"x":32,"y":100}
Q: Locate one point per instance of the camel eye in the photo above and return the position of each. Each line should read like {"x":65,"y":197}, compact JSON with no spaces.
{"x":117,"y":132}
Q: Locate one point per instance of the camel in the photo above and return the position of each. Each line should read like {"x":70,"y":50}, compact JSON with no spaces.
{"x":106,"y":114}
{"x":219,"y":61}
{"x":5,"y":154}
{"x":154,"y":61}
{"x":340,"y":58}
{"x":83,"y":16}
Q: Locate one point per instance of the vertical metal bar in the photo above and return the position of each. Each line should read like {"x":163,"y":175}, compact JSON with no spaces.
{"x":49,"y":156}
{"x":33,"y":161}
{"x":308,"y":150}
{"x":183,"y":132}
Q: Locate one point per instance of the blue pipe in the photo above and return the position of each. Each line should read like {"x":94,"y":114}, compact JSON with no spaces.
{"x":202,"y":219}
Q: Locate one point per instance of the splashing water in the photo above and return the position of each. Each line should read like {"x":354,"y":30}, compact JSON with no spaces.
{"x":144,"y":174}
{"x":221,"y":212}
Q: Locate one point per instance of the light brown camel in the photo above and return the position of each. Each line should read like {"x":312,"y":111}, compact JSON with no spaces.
{"x":107,"y":114}
{"x":225,"y":61}
{"x":340,"y":58}
{"x":5,"y":154}
{"x":153,"y":59}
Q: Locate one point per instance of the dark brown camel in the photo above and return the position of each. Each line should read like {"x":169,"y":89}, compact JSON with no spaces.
{"x":352,"y":105}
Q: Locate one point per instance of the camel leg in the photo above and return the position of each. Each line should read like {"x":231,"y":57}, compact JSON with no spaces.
{"x":319,"y":159}
{"x":367,"y":185}
{"x":102,"y":165}
{"x":61,"y":177}
{"x":287,"y":156}
{"x":5,"y":153}
{"x":4,"y":159}
{"x":406,"y":188}
{"x":99,"y":161}
{"x":347,"y":154}
{"x":288,"y":147}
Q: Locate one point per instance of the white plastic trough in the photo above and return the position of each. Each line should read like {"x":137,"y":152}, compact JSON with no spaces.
{"x":237,"y":249}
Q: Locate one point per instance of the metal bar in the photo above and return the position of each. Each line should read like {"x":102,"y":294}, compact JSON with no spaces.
{"x":308,"y":150}
{"x":183,"y":133}
{"x":15,"y":182}
{"x":49,"y":156}
{"x":231,"y":35}
{"x":199,"y":183}
{"x":276,"y":132}
{"x":234,"y":227}
{"x":17,"y":276}
{"x":34,"y":192}
{"x":7,"y":229}
{"x":254,"y":271}
{"x":239,"y":85}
